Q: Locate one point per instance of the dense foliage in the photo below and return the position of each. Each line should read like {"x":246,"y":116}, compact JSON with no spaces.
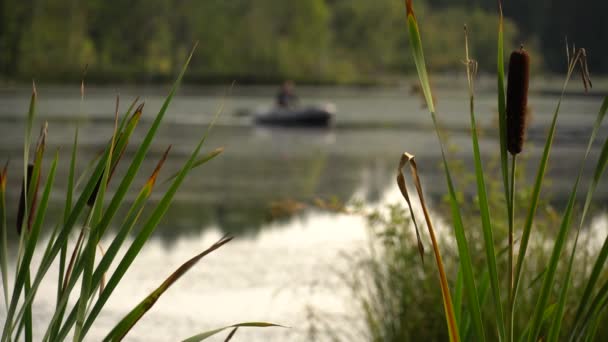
{"x":261,"y":41}
{"x":268,"y":40}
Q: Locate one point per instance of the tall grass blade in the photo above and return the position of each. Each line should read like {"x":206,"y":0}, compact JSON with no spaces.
{"x":207,"y":334}
{"x":557,"y":250}
{"x":598,"y":305}
{"x":61,"y":240}
{"x":26,"y":144}
{"x":140,"y":154}
{"x":29,"y":251}
{"x":88,"y":190}
{"x":200,"y":161}
{"x":3,"y":234}
{"x":540,"y":175}
{"x":484,"y":209}
{"x":463,"y":249}
{"x":123,"y":327}
{"x":131,"y":218}
{"x":502,"y":107}
{"x":89,"y":251}
{"x":459,"y":290}
{"x":148,"y":228}
{"x":600,"y":167}
{"x":450,"y":316}
{"x":603,"y":255}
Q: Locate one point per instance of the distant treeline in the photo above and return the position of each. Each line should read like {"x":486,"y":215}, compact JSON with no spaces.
{"x":317,"y":41}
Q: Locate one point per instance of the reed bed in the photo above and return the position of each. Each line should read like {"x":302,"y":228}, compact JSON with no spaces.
{"x":89,"y":210}
{"x":464,"y":302}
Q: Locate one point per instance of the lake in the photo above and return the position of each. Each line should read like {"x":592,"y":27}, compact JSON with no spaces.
{"x":263,"y":189}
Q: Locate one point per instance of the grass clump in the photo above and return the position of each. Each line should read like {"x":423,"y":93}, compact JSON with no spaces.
{"x":89,"y":210}
{"x":487,"y":301}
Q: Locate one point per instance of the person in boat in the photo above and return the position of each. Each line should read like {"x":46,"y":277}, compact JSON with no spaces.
{"x":286,"y":97}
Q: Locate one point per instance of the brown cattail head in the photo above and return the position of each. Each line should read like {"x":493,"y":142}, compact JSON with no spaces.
{"x":517,"y":99}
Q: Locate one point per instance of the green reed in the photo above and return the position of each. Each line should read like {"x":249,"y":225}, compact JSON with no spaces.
{"x":547,"y":315}
{"x":89,"y":213}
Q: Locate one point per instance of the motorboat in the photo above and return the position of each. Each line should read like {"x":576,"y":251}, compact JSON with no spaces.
{"x":297,"y":116}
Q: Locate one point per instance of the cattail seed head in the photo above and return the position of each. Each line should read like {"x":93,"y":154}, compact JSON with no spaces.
{"x":517,"y":99}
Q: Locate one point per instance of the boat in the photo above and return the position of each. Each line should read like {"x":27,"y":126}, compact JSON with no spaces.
{"x":300,"y":116}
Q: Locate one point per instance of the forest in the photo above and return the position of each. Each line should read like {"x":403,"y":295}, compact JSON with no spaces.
{"x":312,"y":41}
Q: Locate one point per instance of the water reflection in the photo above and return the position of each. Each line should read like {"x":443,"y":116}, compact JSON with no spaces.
{"x":261,"y":167}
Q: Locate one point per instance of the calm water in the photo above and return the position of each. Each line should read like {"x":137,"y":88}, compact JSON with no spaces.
{"x":279,"y":268}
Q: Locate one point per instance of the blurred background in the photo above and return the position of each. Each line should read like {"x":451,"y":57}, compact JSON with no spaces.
{"x":313,"y":41}
{"x":281,"y":191}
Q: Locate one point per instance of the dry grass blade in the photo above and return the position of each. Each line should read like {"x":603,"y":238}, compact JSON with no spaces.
{"x":408,"y":159}
{"x":403,"y":188}
{"x":123,"y":327}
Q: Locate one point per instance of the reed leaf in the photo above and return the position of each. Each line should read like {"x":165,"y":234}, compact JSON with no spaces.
{"x":89,"y":251}
{"x":207,"y":334}
{"x":484,"y":209}
{"x":450,"y":316}
{"x":61,"y":240}
{"x":123,"y":327}
{"x":26,"y":144}
{"x":502,"y":107}
{"x":29,"y":251}
{"x":557,"y":250}
{"x":3,"y":234}
{"x":131,"y":219}
{"x":540,"y":175}
{"x":147,"y":229}
{"x":200,"y":161}
{"x":600,"y":167}
{"x":141,"y":153}
{"x":463,"y":249}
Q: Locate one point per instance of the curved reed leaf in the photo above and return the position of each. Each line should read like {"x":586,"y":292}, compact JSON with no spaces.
{"x":450,"y":316}
{"x":463,"y":248}
{"x":207,"y":334}
{"x":123,"y":327}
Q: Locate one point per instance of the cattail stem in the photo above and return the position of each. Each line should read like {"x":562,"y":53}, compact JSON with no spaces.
{"x":517,"y":99}
{"x":511,"y":305}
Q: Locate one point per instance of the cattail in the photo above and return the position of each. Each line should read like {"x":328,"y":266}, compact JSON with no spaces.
{"x":517,"y":99}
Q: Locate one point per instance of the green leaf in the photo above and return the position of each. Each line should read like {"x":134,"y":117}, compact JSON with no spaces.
{"x":484,"y":209}
{"x":540,"y":175}
{"x":559,"y":244}
{"x":463,"y":249}
{"x":3,"y":234}
{"x":23,"y":271}
{"x":207,"y":334}
{"x":123,"y":327}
